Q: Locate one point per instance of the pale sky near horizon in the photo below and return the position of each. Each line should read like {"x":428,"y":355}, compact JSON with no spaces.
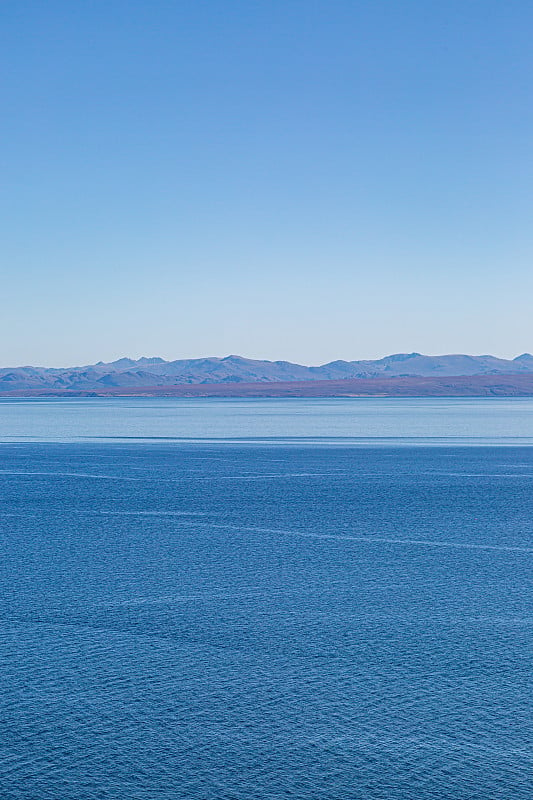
{"x":281,"y":179}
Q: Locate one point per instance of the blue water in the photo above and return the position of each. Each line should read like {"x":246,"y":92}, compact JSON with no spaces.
{"x":303,"y":609}
{"x":355,"y":420}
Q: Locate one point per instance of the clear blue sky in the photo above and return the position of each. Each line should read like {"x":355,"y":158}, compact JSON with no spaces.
{"x":279,"y":178}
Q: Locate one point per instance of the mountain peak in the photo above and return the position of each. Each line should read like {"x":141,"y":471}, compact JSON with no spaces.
{"x":157,"y":372}
{"x":402,"y":356}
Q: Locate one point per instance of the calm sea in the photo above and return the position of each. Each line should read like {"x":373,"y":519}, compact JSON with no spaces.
{"x":266,"y":599}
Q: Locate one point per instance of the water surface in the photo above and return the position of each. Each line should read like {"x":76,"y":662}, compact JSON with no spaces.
{"x":266,"y":616}
{"x":374,"y":420}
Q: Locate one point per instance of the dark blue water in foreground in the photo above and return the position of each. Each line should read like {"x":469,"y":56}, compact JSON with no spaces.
{"x":217,"y":621}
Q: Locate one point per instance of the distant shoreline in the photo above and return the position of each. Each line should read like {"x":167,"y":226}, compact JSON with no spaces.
{"x":459,"y":386}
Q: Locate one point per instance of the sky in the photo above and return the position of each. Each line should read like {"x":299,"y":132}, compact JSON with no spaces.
{"x":284,"y":179}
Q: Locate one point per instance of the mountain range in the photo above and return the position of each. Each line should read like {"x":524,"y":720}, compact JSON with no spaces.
{"x":128,"y":373}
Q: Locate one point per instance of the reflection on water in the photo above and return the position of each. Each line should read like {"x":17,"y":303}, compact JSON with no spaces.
{"x":360,"y":420}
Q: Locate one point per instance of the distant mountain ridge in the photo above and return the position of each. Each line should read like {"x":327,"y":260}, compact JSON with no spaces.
{"x":156,"y":372}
